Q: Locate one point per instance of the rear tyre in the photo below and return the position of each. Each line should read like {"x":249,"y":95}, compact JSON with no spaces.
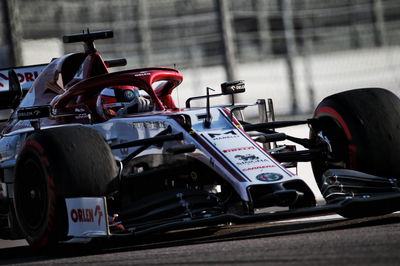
{"x":362,"y":128}
{"x":55,"y":164}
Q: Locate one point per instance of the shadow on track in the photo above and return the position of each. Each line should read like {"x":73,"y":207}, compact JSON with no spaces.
{"x":189,"y":237}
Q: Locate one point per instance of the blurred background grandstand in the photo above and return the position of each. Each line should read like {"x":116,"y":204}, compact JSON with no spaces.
{"x":294,"y":51}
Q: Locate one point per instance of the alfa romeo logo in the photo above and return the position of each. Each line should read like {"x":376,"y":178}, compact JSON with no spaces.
{"x":269,"y":177}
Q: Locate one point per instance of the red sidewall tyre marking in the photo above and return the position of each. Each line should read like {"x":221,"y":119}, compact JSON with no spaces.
{"x":352,"y":149}
{"x":331,"y":112}
{"x":50,"y":226}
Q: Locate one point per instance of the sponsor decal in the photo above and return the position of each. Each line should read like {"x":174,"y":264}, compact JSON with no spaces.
{"x":26,"y":76}
{"x":82,"y":116}
{"x":33,"y":112}
{"x":245,"y":157}
{"x":258,"y":167}
{"x":87,"y":217}
{"x":249,"y":159}
{"x":141,"y":74}
{"x":223,"y":136}
{"x":149,"y":125}
{"x":79,"y":110}
{"x":22,"y":77}
{"x":269,"y":177}
{"x":238,"y":149}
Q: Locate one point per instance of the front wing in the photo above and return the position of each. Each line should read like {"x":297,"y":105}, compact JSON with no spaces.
{"x":94,"y":221}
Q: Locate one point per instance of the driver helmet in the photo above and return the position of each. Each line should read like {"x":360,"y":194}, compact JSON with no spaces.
{"x":115,"y":98}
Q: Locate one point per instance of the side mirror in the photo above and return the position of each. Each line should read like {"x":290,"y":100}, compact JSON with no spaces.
{"x":232,"y":87}
{"x":115,"y":62}
{"x":10,"y":99}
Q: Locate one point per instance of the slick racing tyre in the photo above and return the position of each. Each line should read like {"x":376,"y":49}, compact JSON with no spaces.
{"x":55,"y":164}
{"x":362,"y":130}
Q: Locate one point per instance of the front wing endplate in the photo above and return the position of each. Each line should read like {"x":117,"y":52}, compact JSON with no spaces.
{"x":87,"y":217}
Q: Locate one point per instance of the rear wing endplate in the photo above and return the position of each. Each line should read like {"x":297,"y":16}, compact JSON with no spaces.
{"x":26,"y":76}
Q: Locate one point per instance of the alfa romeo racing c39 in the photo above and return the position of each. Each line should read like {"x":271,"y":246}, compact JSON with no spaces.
{"x":88,"y":153}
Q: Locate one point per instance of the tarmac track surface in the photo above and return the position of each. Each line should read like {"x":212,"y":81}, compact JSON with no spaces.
{"x":319,"y":241}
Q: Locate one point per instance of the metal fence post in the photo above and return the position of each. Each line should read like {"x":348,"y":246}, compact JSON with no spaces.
{"x":225,"y":21}
{"x":14,"y":31}
{"x":307,"y":50}
{"x":290,"y":42}
{"x":263,"y":28}
{"x":379,"y":27}
{"x":145,"y":32}
{"x":354,"y":32}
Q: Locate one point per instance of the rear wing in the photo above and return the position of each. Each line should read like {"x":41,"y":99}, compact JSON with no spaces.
{"x":26,"y":76}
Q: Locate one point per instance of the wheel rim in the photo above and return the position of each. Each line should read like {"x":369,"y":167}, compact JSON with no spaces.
{"x":338,"y":157}
{"x":32,"y":195}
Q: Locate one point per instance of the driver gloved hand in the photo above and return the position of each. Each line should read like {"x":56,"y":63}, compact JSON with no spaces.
{"x":137,"y":105}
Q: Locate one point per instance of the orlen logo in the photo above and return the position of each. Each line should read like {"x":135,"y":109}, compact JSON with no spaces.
{"x":86,"y":215}
{"x":22,"y":77}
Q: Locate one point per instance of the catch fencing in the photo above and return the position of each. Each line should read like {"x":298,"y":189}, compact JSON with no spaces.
{"x":296,"y":50}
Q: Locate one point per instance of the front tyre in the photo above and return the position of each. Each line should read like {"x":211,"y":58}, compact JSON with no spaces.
{"x":55,"y":164}
{"x":362,"y":128}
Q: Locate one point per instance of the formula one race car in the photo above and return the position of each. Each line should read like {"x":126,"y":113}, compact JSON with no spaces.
{"x":86,"y":153}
